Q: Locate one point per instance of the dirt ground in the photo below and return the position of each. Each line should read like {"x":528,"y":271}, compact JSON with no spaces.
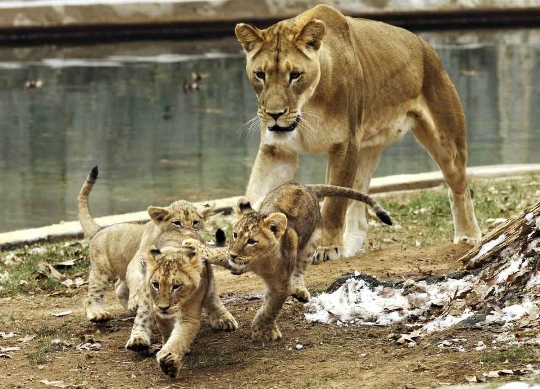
{"x":329,"y":356}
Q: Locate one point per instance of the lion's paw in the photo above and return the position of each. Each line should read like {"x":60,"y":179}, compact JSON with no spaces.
{"x":224,"y":322}
{"x":138,"y":343}
{"x":169,"y":362}
{"x":301,"y":294}
{"x":98,"y":316}
{"x":191,"y":243}
{"x":467,"y":240}
{"x":328,"y":253}
{"x":261,"y":335}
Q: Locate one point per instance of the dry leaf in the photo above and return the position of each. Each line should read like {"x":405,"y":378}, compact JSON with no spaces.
{"x":471,"y":378}
{"x":89,"y":346}
{"x":12,"y":259}
{"x":56,"y":384}
{"x":61,"y":314}
{"x":425,"y":272}
{"x":7,"y":349}
{"x":68,"y":263}
{"x":26,"y":339}
{"x":5,"y":335}
{"x":49,"y":271}
{"x":6,"y":356}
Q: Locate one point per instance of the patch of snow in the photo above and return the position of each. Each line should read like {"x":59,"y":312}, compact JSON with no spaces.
{"x":442,"y":323}
{"x":488,"y":246}
{"x":512,"y":268}
{"x":529,"y":217}
{"x":356,"y":302}
{"x":538,"y":222}
{"x":533,"y":281}
{"x":513,"y":312}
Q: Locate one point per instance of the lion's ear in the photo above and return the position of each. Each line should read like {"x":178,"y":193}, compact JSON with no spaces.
{"x":243,"y":206}
{"x":312,"y":34}
{"x":248,"y":36}
{"x":151,"y":257}
{"x":205,"y":210}
{"x":277,"y":223}
{"x":158,"y":213}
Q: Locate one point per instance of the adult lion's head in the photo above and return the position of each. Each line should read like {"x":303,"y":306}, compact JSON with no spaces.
{"x":283,"y":67}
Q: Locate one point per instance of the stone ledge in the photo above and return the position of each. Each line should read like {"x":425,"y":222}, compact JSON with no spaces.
{"x":73,"y":230}
{"x":57,"y":13}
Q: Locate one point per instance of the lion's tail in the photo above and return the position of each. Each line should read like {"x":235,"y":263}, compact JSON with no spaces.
{"x":322,"y":191}
{"x":88,"y":224}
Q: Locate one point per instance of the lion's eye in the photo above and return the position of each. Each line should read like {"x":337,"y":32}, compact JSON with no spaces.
{"x":251,"y":242}
{"x":177,"y":223}
{"x":260,"y":75}
{"x":155,"y":285}
{"x":195,"y":223}
{"x":294,"y":76}
{"x":235,"y":235}
{"x":176,"y":287}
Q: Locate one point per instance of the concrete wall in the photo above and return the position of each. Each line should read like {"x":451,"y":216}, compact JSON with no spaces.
{"x":54,"y":13}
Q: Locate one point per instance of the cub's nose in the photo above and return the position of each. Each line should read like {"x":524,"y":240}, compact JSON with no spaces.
{"x":234,"y":256}
{"x":275,"y":116}
{"x":164,"y":307}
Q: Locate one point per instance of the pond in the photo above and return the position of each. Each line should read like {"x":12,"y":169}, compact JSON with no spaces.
{"x":123,"y":107}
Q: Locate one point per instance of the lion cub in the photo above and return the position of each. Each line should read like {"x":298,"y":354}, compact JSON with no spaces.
{"x":178,"y":284}
{"x":112,"y":248}
{"x":277,"y":243}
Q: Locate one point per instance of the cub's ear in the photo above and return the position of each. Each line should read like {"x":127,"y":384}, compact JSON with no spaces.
{"x":158,"y":214}
{"x":277,"y":223}
{"x":151,"y":257}
{"x":243,"y":206}
{"x":206,"y":210}
{"x":193,"y":256}
{"x":248,"y":36}
{"x":312,"y":34}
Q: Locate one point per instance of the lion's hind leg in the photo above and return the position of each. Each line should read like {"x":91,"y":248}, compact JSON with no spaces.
{"x":98,"y":280}
{"x":441,"y":131}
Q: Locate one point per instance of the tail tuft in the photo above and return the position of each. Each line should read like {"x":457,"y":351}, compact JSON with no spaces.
{"x":93,"y":175}
{"x":220,"y":238}
{"x":384,"y":216}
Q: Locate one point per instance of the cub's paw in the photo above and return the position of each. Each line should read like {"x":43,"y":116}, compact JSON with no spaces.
{"x":328,"y":253}
{"x":170,"y":363}
{"x":98,"y":316}
{"x":266,"y":335}
{"x":224,"y":322}
{"x":301,"y":294}
{"x":138,"y":343}
{"x":191,"y":243}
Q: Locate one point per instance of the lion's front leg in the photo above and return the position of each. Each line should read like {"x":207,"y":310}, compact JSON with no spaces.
{"x":341,"y":171}
{"x":273,"y":166}
{"x":184,"y":332}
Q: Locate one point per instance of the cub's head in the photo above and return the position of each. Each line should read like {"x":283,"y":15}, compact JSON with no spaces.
{"x":254,"y":235}
{"x":181,"y":214}
{"x":283,"y":67}
{"x":173,"y":276}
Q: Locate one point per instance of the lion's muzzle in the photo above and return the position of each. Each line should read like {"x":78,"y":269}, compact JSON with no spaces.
{"x":292,"y":127}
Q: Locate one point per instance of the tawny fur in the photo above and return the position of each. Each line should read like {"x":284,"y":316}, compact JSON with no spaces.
{"x":348,"y":87}
{"x":178,"y":284}
{"x":113,"y":248}
{"x":277,"y":243}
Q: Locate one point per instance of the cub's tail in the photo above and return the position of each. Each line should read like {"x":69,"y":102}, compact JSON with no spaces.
{"x":322,"y":191}
{"x":88,"y":224}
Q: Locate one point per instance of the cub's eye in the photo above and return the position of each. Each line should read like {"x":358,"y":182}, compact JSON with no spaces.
{"x":260,"y":75}
{"x":195,"y":223}
{"x":251,"y":241}
{"x":176,"y":287}
{"x":294,"y":76}
{"x":177,"y":223}
{"x":235,"y":235}
{"x":155,"y":285}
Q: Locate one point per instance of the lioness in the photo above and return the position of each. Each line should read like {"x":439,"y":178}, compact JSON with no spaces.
{"x":277,"y":243}
{"x":112,"y":248}
{"x":178,"y":284}
{"x":349,"y":87}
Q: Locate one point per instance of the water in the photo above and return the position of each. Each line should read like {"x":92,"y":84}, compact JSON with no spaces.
{"x":123,"y":107}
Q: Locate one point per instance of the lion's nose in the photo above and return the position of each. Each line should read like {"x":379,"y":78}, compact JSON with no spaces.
{"x":164,"y":307}
{"x":275,"y":116}
{"x":234,"y":256}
